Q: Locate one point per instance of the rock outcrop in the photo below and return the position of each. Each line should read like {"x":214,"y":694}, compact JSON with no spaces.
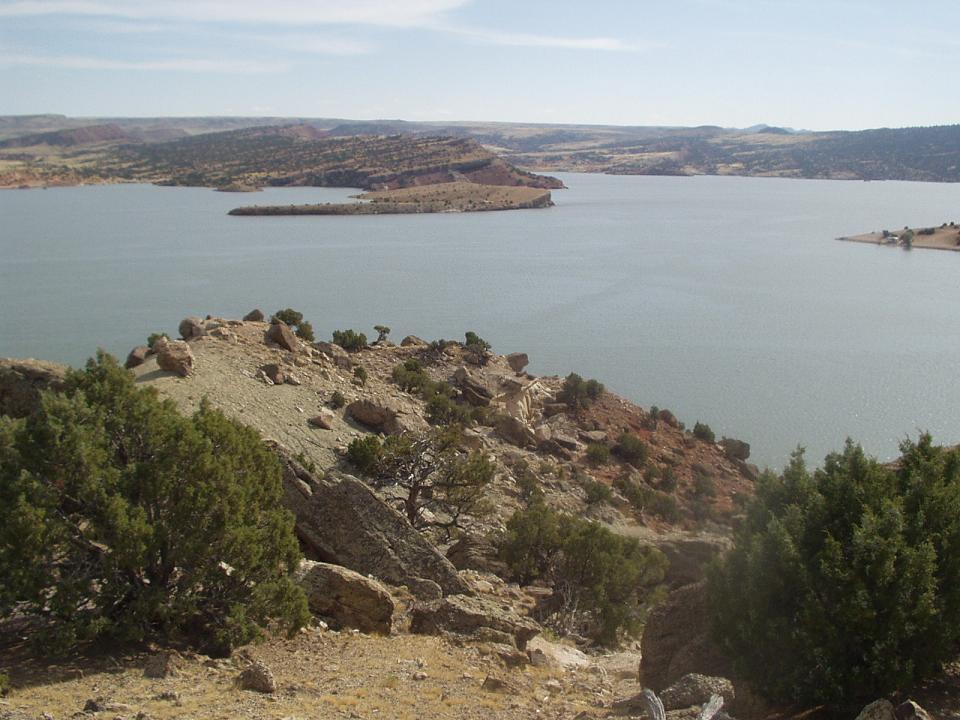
{"x":696,"y":689}
{"x":473,"y":617}
{"x":380,"y":415}
{"x":340,"y":520}
{"x":676,"y":640}
{"x":347,"y":598}
{"x":22,"y":381}
{"x":255,"y":315}
{"x":191,"y":327}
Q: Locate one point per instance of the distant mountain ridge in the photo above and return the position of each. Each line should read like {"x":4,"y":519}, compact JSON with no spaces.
{"x":913,"y":153}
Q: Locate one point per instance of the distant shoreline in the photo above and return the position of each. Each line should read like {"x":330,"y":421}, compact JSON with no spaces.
{"x":944,"y":237}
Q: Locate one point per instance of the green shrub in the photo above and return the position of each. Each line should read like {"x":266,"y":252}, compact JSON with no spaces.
{"x":852,"y":576}
{"x":475,"y":342}
{"x":360,"y":374}
{"x":363,"y":453}
{"x":337,"y":400}
{"x":596,"y":492}
{"x":154,"y":337}
{"x":598,"y":453}
{"x":601,"y":580}
{"x":410,"y":376}
{"x":122,"y":519}
{"x":527,"y":481}
{"x":349,"y":340}
{"x":4,"y":684}
{"x":704,"y":485}
{"x":668,"y":480}
{"x":382,"y":333}
{"x":578,"y":393}
{"x":304,"y":331}
{"x":632,"y":449}
{"x":702,"y":431}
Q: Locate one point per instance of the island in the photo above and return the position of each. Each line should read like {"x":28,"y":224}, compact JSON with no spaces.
{"x":943,"y":237}
{"x":434,"y":198}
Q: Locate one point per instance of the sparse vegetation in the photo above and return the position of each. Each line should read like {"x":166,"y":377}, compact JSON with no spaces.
{"x":337,"y":400}
{"x":702,"y":431}
{"x":596,"y":492}
{"x":598,"y":453}
{"x":578,"y":393}
{"x":852,"y":574}
{"x":382,"y":333}
{"x":154,"y":337}
{"x":360,"y":375}
{"x":364,"y":453}
{"x":632,"y":449}
{"x":349,"y":340}
{"x":122,"y":519}
{"x":601,"y":580}
{"x":302,"y":328}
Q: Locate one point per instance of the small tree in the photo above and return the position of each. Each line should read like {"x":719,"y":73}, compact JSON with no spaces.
{"x":578,"y":393}
{"x":364,"y":453}
{"x":632,"y":449}
{"x":382,"y":332}
{"x":439,"y":484}
{"x":474,"y":342}
{"x":121,"y":518}
{"x":360,"y":374}
{"x":302,"y":328}
{"x":702,"y":431}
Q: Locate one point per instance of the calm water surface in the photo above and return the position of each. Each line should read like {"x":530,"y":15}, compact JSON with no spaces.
{"x":723,"y":299}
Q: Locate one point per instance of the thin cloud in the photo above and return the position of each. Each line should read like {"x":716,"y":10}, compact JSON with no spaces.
{"x":408,"y":13}
{"x":496,"y":37}
{"x":77,"y":62}
{"x":311,"y":43}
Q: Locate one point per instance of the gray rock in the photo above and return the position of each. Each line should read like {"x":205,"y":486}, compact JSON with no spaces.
{"x":346,"y":597}
{"x":174,"y":356}
{"x":340,"y":357}
{"x":340,"y":520}
{"x":255,"y":315}
{"x":735,"y":449}
{"x":137,"y":356}
{"x":413,"y":341}
{"x":258,"y":678}
{"x":464,"y":615}
{"x":324,"y":420}
{"x":474,"y":388}
{"x":161,"y":665}
{"x":275,"y":372}
{"x":515,"y":431}
{"x":282,"y":335}
{"x":695,"y":689}
{"x":191,"y":327}
{"x":22,"y":381}
{"x":878,"y":710}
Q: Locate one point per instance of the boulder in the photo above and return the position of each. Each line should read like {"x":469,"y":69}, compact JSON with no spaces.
{"x":474,"y":389}
{"x":413,"y":341}
{"x":324,"y":420}
{"x":340,"y":357}
{"x":255,"y":315}
{"x":380,"y":415}
{"x":137,"y":356}
{"x":468,"y":616}
{"x":543,"y":653}
{"x":22,"y":381}
{"x":174,"y":356}
{"x":735,"y":449}
{"x":191,"y":327}
{"x":593,"y":436}
{"x":275,"y":372}
{"x":340,"y":520}
{"x":346,"y":597}
{"x":668,"y":417}
{"x":695,"y":689}
{"x":280,"y":333}
{"x":911,"y":710}
{"x":878,"y":710}
{"x":258,"y":678}
{"x":676,"y":640}
{"x":515,"y":431}
{"x":517,"y":361}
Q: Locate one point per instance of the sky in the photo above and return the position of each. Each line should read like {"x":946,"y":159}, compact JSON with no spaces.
{"x":844,"y":64}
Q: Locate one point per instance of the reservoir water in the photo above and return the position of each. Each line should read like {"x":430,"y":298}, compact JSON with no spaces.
{"x":726,"y":300}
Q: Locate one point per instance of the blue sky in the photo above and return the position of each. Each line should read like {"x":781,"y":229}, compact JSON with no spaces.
{"x":820,"y":65}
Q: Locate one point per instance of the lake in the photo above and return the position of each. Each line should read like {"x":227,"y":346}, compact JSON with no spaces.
{"x":726,"y":300}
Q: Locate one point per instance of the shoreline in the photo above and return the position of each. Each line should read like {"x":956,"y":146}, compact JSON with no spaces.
{"x":945,"y":237}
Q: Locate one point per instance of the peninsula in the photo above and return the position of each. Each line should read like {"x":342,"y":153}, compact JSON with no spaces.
{"x":437,"y":198}
{"x":944,"y":237}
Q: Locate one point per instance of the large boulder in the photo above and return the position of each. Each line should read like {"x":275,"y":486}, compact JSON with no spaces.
{"x":22,"y":381}
{"x":377,"y":414}
{"x":280,"y":333}
{"x":340,"y":520}
{"x":517,"y":361}
{"x":472,"y":617}
{"x":346,"y":597}
{"x":476,"y":552}
{"x":735,"y":449}
{"x":516,"y":431}
{"x":878,"y":710}
{"x":475,"y":389}
{"x":191,"y":327}
{"x":676,"y":640}
{"x":137,"y":356}
{"x":255,"y":315}
{"x":174,"y":356}
{"x":413,"y":341}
